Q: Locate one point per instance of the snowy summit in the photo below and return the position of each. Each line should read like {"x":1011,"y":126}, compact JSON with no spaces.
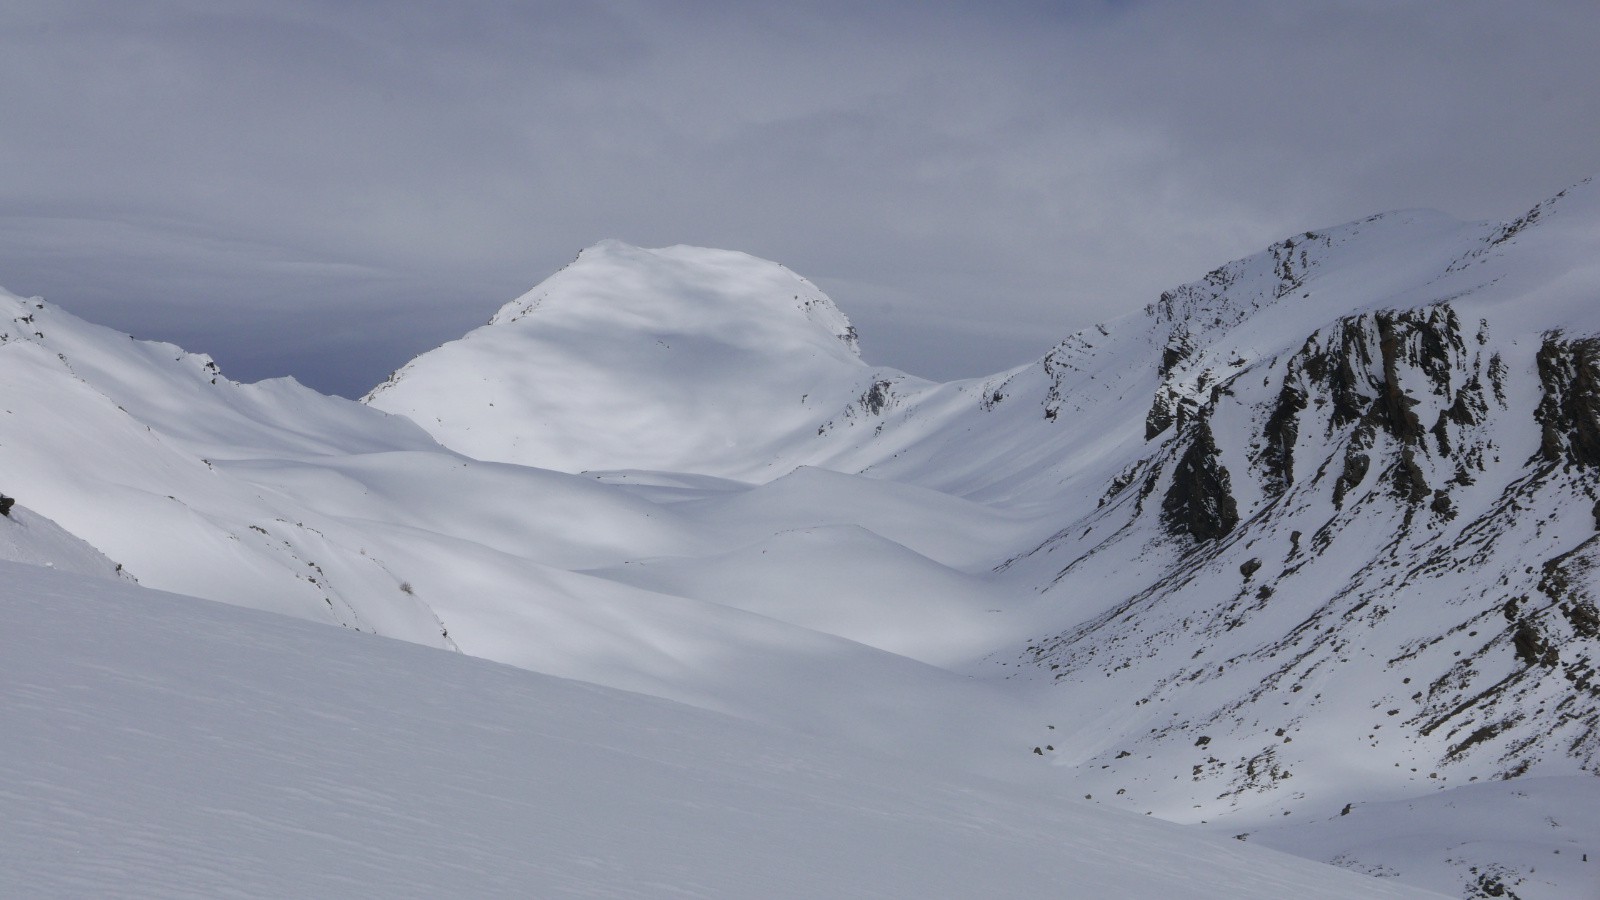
{"x":679,"y":359}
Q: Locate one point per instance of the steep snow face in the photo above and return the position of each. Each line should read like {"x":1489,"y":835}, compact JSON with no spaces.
{"x":681,"y":359}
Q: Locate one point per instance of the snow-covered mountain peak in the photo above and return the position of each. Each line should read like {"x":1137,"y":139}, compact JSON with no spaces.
{"x":682,"y":359}
{"x":679,"y":290}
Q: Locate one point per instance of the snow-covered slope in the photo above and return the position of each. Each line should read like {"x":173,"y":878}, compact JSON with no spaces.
{"x":274,"y":497}
{"x":681,"y":359}
{"x":160,"y":746}
{"x":1315,"y":532}
{"x":1526,"y":837}
{"x":27,"y":537}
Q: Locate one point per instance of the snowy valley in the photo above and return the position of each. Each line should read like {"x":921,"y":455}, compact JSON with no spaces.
{"x":1303,"y":556}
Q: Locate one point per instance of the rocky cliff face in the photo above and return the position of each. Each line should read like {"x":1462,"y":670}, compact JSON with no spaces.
{"x":1199,"y":503}
{"x":1569,"y":411}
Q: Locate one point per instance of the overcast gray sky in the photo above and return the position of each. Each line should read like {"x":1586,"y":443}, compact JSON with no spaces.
{"x":325,"y":189}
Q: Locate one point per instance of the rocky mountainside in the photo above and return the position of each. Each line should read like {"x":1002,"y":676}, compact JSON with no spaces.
{"x":1330,"y":508}
{"x":1364,"y":518}
{"x":1349,"y":538}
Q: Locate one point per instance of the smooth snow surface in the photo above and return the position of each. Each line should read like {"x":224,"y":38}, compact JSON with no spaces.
{"x":161,"y":746}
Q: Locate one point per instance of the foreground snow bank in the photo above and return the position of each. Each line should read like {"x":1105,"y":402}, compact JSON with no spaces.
{"x":157,"y":745}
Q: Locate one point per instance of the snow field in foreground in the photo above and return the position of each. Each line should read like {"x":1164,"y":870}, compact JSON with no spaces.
{"x":162,"y":746}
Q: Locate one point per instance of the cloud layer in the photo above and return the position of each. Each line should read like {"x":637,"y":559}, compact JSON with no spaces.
{"x":327,"y":188}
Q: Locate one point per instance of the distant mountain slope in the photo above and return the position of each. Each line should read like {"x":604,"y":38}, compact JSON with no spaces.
{"x":160,"y":746}
{"x":680,"y":359}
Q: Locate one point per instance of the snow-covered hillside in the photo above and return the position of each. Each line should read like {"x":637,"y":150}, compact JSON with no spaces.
{"x":1310,"y":542}
{"x":274,"y":497}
